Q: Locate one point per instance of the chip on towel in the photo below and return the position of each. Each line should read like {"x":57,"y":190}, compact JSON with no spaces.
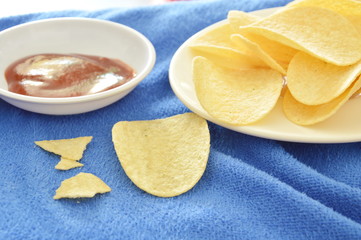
{"x":66,"y":164}
{"x":71,"y":149}
{"x":302,"y":114}
{"x":236,"y":97}
{"x":312,"y":81}
{"x":164,"y":157}
{"x":83,"y":185}
{"x":320,"y":32}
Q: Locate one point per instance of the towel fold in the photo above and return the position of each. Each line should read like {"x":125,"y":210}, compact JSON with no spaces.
{"x":253,"y":188}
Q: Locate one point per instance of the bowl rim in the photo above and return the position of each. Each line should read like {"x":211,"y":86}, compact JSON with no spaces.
{"x":108,"y":93}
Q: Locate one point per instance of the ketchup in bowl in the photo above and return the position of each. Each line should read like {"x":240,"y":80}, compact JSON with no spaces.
{"x":66,"y":75}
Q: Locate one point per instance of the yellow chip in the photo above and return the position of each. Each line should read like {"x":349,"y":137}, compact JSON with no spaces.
{"x":83,"y":185}
{"x":302,"y":114}
{"x":351,"y":9}
{"x":72,"y":148}
{"x":259,"y":52}
{"x":320,"y":32}
{"x":66,"y":164}
{"x":312,"y":81}
{"x":272,"y":53}
{"x":238,"y":19}
{"x":228,"y":58}
{"x":164,"y":157}
{"x":344,"y":7}
{"x":236,"y":97}
{"x":217,"y":46}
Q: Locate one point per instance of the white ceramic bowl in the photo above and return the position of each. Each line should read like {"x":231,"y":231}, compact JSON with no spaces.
{"x":74,"y":35}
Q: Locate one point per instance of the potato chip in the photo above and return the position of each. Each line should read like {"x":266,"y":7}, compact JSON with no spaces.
{"x":323,"y":33}
{"x":307,"y":115}
{"x":238,"y":19}
{"x":83,"y":185}
{"x":274,"y":54}
{"x":259,"y":52}
{"x":228,"y":58}
{"x":236,"y":97}
{"x":312,"y":81}
{"x":350,"y":9}
{"x":71,"y":149}
{"x":164,"y":157}
{"x":217,"y":46}
{"x":66,"y":164}
{"x":343,"y":7}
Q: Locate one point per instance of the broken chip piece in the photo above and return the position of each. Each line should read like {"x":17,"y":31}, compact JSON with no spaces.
{"x":71,"y":149}
{"x":66,"y":164}
{"x":164,"y":157}
{"x":83,"y":185}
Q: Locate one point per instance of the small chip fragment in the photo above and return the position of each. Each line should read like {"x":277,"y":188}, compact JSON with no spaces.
{"x":164,"y":157}
{"x":66,"y":164}
{"x":83,"y":185}
{"x":71,"y":149}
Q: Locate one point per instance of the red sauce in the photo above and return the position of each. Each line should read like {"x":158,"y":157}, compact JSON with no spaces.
{"x":66,"y":75}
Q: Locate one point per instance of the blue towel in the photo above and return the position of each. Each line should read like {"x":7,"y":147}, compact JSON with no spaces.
{"x":253,"y":188}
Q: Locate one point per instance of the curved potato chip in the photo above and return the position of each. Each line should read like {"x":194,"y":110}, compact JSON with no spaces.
{"x":217,"y":46}
{"x":236,"y":97}
{"x":350,"y":9}
{"x":312,"y":81}
{"x":237,"y":19}
{"x":72,"y":148}
{"x":274,"y":54}
{"x":259,"y":52}
{"x":81,"y":186}
{"x":343,"y":7}
{"x":323,"y":33}
{"x":302,"y":114}
{"x":164,"y":157}
{"x":228,"y":58}
{"x":66,"y":164}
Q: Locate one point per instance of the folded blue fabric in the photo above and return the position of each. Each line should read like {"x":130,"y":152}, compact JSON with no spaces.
{"x":253,"y":188}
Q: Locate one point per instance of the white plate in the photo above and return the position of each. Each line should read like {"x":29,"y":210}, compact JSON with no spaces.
{"x":344,"y":126}
{"x":74,"y":35}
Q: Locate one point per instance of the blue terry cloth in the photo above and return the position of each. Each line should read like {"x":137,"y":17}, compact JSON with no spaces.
{"x":253,"y":188}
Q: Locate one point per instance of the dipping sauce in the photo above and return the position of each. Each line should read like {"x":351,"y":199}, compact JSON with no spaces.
{"x":66,"y":75}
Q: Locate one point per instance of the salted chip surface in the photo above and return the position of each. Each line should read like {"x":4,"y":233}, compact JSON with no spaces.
{"x":312,"y":81}
{"x":66,"y":164}
{"x":71,"y":149}
{"x":236,"y":97}
{"x":83,"y":185}
{"x":302,"y":114}
{"x":164,"y":157}
{"x":323,"y":33}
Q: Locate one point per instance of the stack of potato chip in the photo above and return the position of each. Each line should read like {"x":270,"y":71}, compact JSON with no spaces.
{"x":308,"y":53}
